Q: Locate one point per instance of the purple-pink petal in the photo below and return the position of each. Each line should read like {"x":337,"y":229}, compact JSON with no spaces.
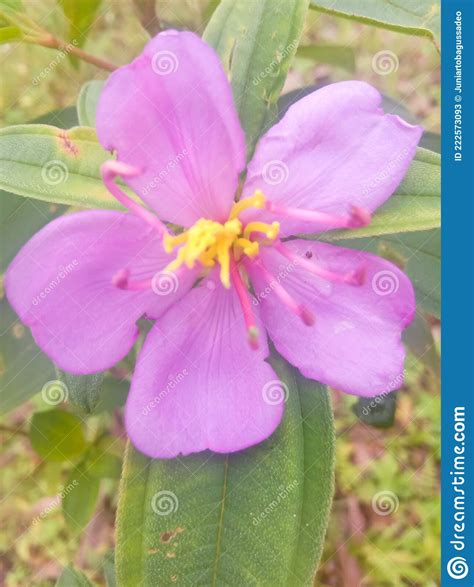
{"x":198,"y":385}
{"x":60,"y":285}
{"x":171,"y":114}
{"x":355,"y":344}
{"x":333,"y":149}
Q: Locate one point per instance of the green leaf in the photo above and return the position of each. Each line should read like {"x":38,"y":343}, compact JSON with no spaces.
{"x":420,"y":18}
{"x":82,"y":390}
{"x":55,"y":165}
{"x":257,"y":517}
{"x":56,"y":435}
{"x":337,"y":55}
{"x":80,"y":501}
{"x":81,"y":16}
{"x":87,"y":102}
{"x":418,"y":254}
{"x":256,"y":45}
{"x":24,"y":369}
{"x":71,"y":577}
{"x":415,"y":205}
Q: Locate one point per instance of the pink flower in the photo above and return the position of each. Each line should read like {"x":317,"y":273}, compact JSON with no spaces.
{"x":227,"y":279}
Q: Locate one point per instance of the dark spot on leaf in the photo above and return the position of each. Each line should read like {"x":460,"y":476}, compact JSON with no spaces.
{"x":153,"y":550}
{"x":166,"y":537}
{"x":308,"y":254}
{"x":67,"y":145}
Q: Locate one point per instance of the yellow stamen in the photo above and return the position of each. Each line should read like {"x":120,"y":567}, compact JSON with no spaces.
{"x":269,"y":230}
{"x":255,"y":201}
{"x":210,"y":242}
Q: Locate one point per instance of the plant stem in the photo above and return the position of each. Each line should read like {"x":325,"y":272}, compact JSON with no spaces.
{"x":52,"y":42}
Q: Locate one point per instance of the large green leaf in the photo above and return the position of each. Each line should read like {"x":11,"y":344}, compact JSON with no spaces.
{"x":422,"y":17}
{"x":55,"y":165}
{"x":257,"y":517}
{"x":415,"y":205}
{"x":418,"y":254}
{"x":256,"y":44}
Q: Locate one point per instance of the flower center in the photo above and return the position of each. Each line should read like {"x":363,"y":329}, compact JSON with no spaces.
{"x":209,"y":242}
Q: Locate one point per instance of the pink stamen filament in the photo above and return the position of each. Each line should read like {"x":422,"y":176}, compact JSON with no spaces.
{"x":356,"y":277}
{"x":358,"y":216}
{"x":243,"y":295}
{"x":111,"y":170}
{"x":299,"y":309}
{"x":122,"y":281}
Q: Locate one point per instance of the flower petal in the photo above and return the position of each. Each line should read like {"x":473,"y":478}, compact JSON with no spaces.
{"x":171,"y":114}
{"x":198,"y":385}
{"x":355,"y":343}
{"x":333,"y":149}
{"x":60,"y":284}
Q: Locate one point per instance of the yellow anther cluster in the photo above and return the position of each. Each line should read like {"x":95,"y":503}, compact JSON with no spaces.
{"x":210,"y":242}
